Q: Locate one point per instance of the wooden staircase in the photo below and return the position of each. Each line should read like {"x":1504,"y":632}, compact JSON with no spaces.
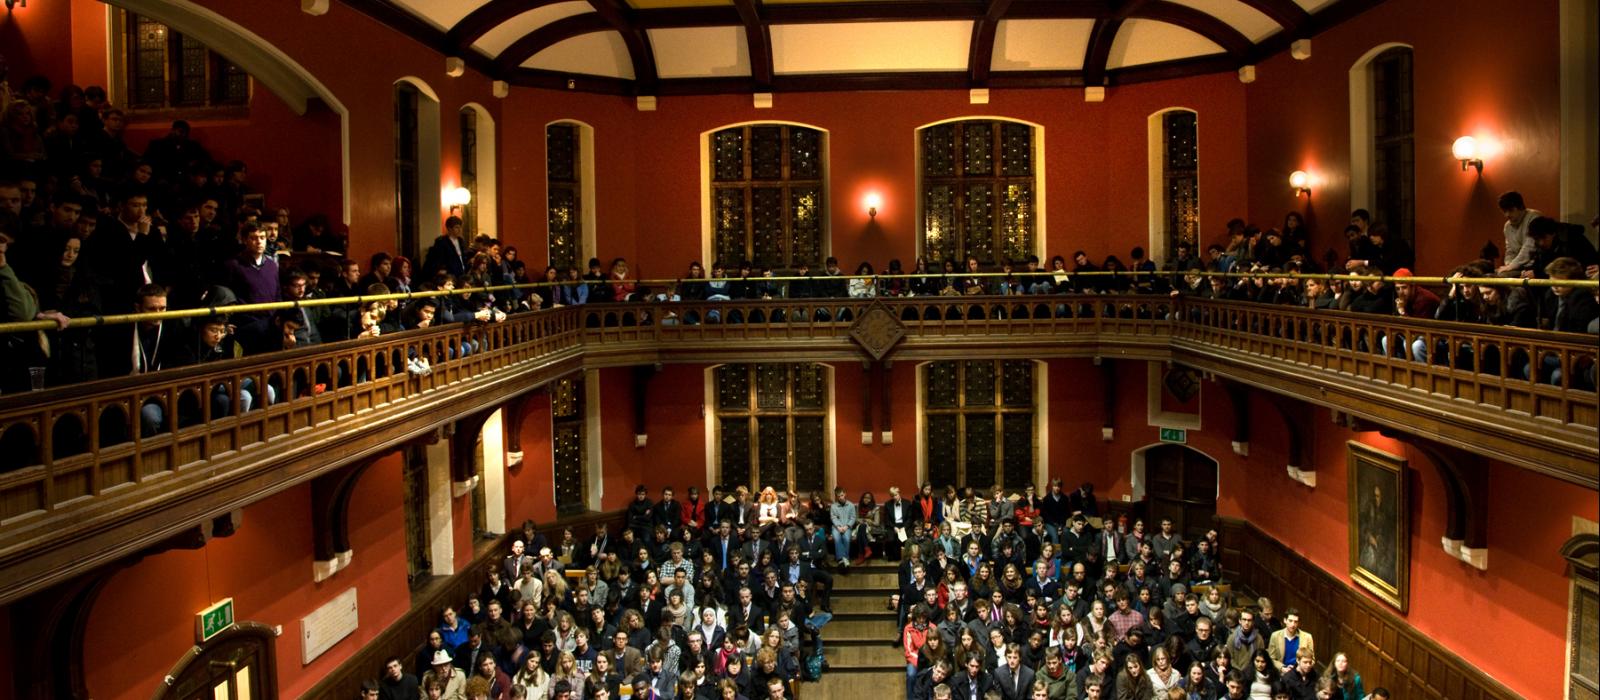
{"x":862,"y":664}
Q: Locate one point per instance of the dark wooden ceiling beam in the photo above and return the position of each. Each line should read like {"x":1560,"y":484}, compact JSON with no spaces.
{"x":545,"y":37}
{"x":1099,"y":50}
{"x":488,"y":16}
{"x":981,"y":51}
{"x":758,"y":40}
{"x":622,"y":18}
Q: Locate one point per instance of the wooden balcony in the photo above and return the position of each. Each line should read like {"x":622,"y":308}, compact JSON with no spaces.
{"x":81,"y":484}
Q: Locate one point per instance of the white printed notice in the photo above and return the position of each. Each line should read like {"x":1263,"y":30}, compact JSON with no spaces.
{"x":326,"y":625}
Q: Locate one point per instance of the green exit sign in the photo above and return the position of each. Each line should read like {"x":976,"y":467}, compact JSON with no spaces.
{"x":1178,"y":435}
{"x":212,"y":621}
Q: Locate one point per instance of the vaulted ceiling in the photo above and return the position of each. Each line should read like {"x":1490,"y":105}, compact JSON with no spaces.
{"x":655,"y":47}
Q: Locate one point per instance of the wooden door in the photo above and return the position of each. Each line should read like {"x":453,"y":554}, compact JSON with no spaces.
{"x":236,"y":665}
{"x":1181,"y":484}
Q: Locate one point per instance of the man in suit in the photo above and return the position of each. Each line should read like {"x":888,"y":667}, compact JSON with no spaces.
{"x":449,"y":252}
{"x":517,"y":561}
{"x":600,"y":546}
{"x":746,"y":612}
{"x":723,"y":545}
{"x":898,"y":515}
{"x":1014,"y":680}
{"x":625,"y":659}
{"x":974,"y":684}
{"x":668,"y":513}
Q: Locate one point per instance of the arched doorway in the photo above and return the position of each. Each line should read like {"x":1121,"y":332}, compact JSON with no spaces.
{"x":1181,"y":484}
{"x":237,"y":664}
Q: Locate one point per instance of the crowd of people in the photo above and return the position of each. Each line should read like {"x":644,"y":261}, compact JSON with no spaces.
{"x":89,"y":227}
{"x":1001,"y":596}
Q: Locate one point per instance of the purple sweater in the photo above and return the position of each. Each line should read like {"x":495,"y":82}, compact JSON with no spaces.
{"x":253,"y":284}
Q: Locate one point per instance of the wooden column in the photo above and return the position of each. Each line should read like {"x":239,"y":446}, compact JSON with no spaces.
{"x":1239,"y":396}
{"x":1108,"y":376}
{"x":885,"y":384}
{"x":867,"y":369}
{"x":641,"y":401}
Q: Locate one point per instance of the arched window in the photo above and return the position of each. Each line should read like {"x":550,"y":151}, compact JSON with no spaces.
{"x":978,"y":191}
{"x":1394,"y":178}
{"x":1174,"y":182}
{"x":155,"y":68}
{"x":979,"y":422}
{"x":416,"y":166}
{"x":569,"y":439}
{"x":569,"y":179}
{"x":767,"y":191}
{"x":469,"y":170}
{"x":771,"y":426}
{"x":1383,"y":138}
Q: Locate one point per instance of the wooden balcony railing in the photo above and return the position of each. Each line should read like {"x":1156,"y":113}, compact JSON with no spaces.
{"x":78,"y":460}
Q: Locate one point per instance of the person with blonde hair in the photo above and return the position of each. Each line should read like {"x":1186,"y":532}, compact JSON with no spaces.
{"x":567,"y":671}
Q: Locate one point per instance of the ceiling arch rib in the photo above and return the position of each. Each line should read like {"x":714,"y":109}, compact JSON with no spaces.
{"x":758,"y":37}
{"x":621,"y":18}
{"x":488,"y":16}
{"x":982,"y":49}
{"x":1099,"y":51}
{"x":1207,"y":25}
{"x":1291,"y":16}
{"x":545,"y":37}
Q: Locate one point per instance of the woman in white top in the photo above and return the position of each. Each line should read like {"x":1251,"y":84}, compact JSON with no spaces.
{"x":767,"y":509}
{"x":957,"y":516}
{"x":1162,"y":675}
{"x":1263,"y":676}
{"x":861,"y":288}
{"x":532,"y":677}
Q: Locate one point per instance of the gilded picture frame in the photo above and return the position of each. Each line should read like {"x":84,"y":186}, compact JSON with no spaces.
{"x":1380,"y":532}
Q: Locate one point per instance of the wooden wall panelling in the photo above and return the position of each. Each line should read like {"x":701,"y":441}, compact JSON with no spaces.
{"x":407,"y":634}
{"x":1383,"y":647}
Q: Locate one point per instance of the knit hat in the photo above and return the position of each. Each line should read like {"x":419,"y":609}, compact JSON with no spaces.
{"x":1402,"y":272}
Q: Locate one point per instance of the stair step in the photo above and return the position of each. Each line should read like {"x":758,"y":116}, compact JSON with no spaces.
{"x":866,"y":580}
{"x":877,"y":655}
{"x":848,"y":629}
{"x":860,"y":604}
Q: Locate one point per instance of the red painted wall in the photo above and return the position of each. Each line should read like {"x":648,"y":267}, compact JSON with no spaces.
{"x":266,"y":568}
{"x":647,"y":164}
{"x":1297,"y":114}
{"x":37,"y":40}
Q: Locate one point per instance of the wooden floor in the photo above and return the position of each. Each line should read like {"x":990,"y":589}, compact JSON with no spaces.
{"x":862,"y":664}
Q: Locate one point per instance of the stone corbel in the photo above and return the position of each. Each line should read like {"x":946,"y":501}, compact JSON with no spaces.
{"x":886,"y":377}
{"x":641,"y":402}
{"x":1239,"y":396}
{"x":515,"y":414}
{"x":868,"y":370}
{"x":1466,"y":481}
{"x":330,"y":518}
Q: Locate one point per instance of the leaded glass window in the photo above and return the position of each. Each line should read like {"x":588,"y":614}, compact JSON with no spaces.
{"x":771,"y":425}
{"x":407,"y":216}
{"x":469,"y":169}
{"x":569,"y":437}
{"x":978,"y":191}
{"x":1180,"y":177}
{"x":979,"y":422}
{"x":767,"y":196}
{"x":159,"y":68}
{"x":1394,"y":162}
{"x":564,"y":169}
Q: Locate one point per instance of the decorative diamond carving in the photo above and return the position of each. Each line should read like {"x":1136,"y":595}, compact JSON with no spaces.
{"x":877,"y":331}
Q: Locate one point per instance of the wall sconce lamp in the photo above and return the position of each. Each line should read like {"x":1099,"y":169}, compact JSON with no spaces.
{"x":1465,"y":149}
{"x":873,"y":200}
{"x":456,"y":198}
{"x":1301,"y":182}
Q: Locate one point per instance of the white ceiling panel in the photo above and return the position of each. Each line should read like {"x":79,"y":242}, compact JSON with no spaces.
{"x":1041,"y":44}
{"x":700,"y":52}
{"x":1144,"y":41}
{"x":863,"y":47}
{"x":497,"y":39}
{"x":1250,"y":22}
{"x":443,"y":14}
{"x":601,"y":53}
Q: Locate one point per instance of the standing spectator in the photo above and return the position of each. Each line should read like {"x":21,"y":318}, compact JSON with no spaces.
{"x":1519,"y":245}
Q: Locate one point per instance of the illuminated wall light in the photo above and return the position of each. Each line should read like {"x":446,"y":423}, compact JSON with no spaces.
{"x":457,"y":197}
{"x":1465,"y":149}
{"x":1301,"y":182}
{"x":872,"y":201}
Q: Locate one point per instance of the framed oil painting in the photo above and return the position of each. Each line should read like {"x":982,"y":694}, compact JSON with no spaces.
{"x":1380,"y":555}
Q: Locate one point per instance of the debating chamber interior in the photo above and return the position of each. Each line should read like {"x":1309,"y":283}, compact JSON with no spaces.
{"x":775,"y":349}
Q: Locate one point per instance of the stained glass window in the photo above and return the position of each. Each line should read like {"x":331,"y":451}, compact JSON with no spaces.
{"x":569,"y":435}
{"x":1180,"y":177}
{"x":1394,"y":163}
{"x":979,"y":424}
{"x":771,"y":425}
{"x":406,"y":134}
{"x":159,"y":68}
{"x":766,"y":196}
{"x":469,"y":169}
{"x":977,"y":191}
{"x":564,"y":167}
